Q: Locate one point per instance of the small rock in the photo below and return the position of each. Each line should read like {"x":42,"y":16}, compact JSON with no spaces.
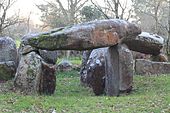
{"x":64,"y":65}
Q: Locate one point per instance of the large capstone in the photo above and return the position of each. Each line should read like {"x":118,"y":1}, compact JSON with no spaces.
{"x":34,"y":76}
{"x":90,"y":35}
{"x":147,"y":67}
{"x":8,"y":58}
{"x":145,"y":43}
{"x":118,"y":70}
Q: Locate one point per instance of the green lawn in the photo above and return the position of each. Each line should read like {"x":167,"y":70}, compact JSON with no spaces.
{"x":73,"y":60}
{"x":150,"y":95}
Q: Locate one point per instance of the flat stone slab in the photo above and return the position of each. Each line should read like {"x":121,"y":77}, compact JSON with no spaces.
{"x":85,"y":36}
{"x":146,"y":67}
{"x":145,"y":43}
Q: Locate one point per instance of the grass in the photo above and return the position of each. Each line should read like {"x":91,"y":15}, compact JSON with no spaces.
{"x":73,"y":60}
{"x":150,"y":95}
{"x":17,"y":41}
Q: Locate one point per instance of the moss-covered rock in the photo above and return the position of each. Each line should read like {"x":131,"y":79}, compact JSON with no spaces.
{"x":85,"y":36}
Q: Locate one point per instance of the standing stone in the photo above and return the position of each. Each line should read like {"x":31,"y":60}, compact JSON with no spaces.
{"x":28,"y":73}
{"x":125,"y":69}
{"x":94,"y":72}
{"x":47,"y":82}
{"x":112,"y":71}
{"x":8,"y":51}
{"x":8,"y":58}
{"x":34,"y":76}
{"x":118,"y":70}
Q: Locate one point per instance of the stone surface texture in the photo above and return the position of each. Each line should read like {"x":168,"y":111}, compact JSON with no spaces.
{"x":126,"y":68}
{"x":7,"y":70}
{"x":8,"y":58}
{"x":94,"y":72}
{"x":145,"y":43}
{"x":159,"y":58}
{"x":118,"y":70}
{"x":33,"y":75}
{"x":83,"y":69}
{"x":90,"y":35}
{"x":49,"y":56}
{"x":147,"y":67}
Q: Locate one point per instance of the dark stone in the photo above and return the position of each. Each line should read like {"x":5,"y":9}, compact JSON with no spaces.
{"x":83,"y":70}
{"x":118,"y":70}
{"x":49,"y":56}
{"x":7,"y":70}
{"x":125,"y":69}
{"x":90,"y":35}
{"x":145,"y":43}
{"x":112,"y":71}
{"x":47,"y":82}
{"x":159,"y":58}
{"x":94,"y":72}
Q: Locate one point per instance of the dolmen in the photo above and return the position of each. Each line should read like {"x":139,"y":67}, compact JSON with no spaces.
{"x":108,"y":65}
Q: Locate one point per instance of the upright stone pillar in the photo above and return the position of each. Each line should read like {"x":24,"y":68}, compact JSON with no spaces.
{"x":112,"y":71}
{"x":126,"y":69}
{"x":118,"y":70}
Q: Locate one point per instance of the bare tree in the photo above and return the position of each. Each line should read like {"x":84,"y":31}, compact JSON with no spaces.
{"x":151,"y":8}
{"x":61,"y":13}
{"x":115,"y":9}
{"x":5,"y":21}
{"x":72,"y":8}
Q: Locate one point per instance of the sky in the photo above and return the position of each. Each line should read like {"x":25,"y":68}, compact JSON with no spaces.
{"x":25,"y":7}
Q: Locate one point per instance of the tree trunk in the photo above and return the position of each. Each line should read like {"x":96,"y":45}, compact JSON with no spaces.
{"x":117,"y":8}
{"x":167,"y":43}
